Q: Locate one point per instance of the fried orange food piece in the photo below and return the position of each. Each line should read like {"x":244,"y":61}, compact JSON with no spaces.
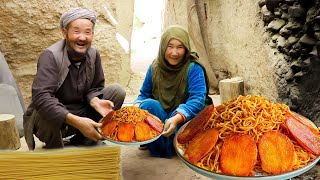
{"x":276,"y":152}
{"x":142,"y":131}
{"x":154,"y":122}
{"x":195,"y":125}
{"x":201,"y":145}
{"x":238,"y":155}
{"x":107,"y":118}
{"x":108,"y":127}
{"x":306,"y":122}
{"x":304,"y":136}
{"x":125,"y":132}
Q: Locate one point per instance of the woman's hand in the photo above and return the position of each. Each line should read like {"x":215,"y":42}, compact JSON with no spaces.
{"x":137,"y":105}
{"x":171,"y":124}
{"x":102,"y":106}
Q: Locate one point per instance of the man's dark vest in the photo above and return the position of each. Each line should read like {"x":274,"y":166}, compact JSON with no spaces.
{"x":61,"y":57}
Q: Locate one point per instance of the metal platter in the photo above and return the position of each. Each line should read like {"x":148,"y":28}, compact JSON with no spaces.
{"x":129,"y":143}
{"x":211,"y":174}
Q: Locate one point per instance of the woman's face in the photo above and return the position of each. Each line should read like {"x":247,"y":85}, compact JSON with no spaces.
{"x":175,"y":51}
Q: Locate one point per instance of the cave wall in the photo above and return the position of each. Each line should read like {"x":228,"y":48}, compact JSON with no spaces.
{"x":28,"y":27}
{"x":293,"y":28}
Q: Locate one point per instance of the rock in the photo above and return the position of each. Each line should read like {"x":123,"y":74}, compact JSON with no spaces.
{"x":295,"y":50}
{"x":293,"y":25}
{"x":314,"y":51}
{"x":296,"y":66}
{"x":261,"y":3}
{"x":277,"y":12}
{"x":281,"y":41}
{"x":307,"y":40}
{"x":316,"y":27}
{"x":291,"y":41}
{"x":275,"y":37}
{"x":272,"y":44}
{"x":285,"y":16}
{"x":276,"y":25}
{"x":297,"y":12}
{"x":290,"y":2}
{"x":317,"y":36}
{"x":266,"y":14}
{"x":284,"y":31}
{"x":272,"y":4}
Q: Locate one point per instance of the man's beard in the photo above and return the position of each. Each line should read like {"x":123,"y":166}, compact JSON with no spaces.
{"x":74,"y":55}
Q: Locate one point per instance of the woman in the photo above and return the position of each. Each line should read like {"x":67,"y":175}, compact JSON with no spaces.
{"x":174,"y":88}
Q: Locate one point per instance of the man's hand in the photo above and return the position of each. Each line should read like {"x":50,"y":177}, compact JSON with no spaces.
{"x":171,"y":124}
{"x":85,"y":125}
{"x":102,"y":106}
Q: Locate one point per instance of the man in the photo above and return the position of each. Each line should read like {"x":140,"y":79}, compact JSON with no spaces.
{"x":68,"y":94}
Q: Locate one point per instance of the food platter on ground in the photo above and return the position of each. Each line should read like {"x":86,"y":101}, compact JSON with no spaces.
{"x":130,"y":125}
{"x":249,"y":138}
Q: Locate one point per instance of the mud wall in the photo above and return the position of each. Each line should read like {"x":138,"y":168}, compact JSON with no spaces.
{"x":28,"y":27}
{"x":274,"y":49}
{"x":234,"y":41}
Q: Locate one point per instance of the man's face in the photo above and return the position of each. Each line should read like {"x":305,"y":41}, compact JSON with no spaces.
{"x":78,"y":35}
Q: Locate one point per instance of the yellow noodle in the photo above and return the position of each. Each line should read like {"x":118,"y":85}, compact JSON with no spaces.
{"x":75,"y":163}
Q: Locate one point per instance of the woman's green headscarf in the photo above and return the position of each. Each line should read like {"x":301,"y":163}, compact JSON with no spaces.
{"x":169,"y":82}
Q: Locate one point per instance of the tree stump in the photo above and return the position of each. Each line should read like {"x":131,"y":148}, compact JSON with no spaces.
{"x":231,"y":88}
{"x":9,"y":135}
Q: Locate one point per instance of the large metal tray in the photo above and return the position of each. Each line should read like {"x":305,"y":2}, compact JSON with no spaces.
{"x":211,"y":174}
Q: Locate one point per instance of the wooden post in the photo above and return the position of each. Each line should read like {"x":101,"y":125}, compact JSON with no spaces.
{"x":231,"y":88}
{"x":9,"y":135}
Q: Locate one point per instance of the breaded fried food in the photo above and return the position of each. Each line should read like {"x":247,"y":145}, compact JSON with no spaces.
{"x":201,"y":145}
{"x":238,"y":155}
{"x":142,"y":131}
{"x":109,"y":127}
{"x":125,"y":132}
{"x":195,"y":125}
{"x":276,"y":152}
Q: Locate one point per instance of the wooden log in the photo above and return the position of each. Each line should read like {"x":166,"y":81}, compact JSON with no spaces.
{"x":231,"y":88}
{"x":9,"y":135}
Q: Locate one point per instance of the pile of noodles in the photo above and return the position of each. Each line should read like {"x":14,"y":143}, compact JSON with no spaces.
{"x":252,"y":115}
{"x":133,"y":115}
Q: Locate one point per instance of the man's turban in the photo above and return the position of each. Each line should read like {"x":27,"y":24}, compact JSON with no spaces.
{"x":74,"y":14}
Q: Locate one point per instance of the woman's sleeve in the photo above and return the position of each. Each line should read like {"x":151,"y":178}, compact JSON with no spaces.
{"x":146,"y":89}
{"x":196,"y":93}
